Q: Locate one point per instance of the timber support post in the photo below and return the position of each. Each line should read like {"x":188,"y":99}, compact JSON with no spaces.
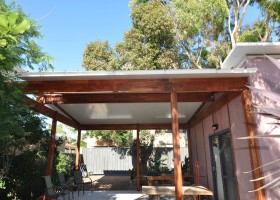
{"x":52,"y":145}
{"x":176,"y":147}
{"x":77,"y":163}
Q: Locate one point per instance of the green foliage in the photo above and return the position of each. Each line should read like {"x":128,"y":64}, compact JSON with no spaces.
{"x":183,"y":34}
{"x":200,"y":27}
{"x":146,"y":150}
{"x":64,"y":164}
{"x":150,"y":44}
{"x":186,"y":166}
{"x":23,"y":157}
{"x":99,"y":56}
{"x":23,"y":140}
{"x":120,"y":138}
{"x":16,"y":40}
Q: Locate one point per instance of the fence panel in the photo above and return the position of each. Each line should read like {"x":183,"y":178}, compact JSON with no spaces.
{"x":102,"y":160}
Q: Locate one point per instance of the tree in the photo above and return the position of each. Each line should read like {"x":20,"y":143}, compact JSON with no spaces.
{"x":150,"y":44}
{"x":146,"y":141}
{"x":100,"y":56}
{"x":186,"y":34}
{"x":200,"y":31}
{"x":21,"y":130}
{"x":120,"y":138}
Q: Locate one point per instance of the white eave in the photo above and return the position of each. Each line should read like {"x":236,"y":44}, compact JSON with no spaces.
{"x":238,"y":55}
{"x":135,"y":74}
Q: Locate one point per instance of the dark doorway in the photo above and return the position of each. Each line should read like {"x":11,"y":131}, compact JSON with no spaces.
{"x":222,"y":166}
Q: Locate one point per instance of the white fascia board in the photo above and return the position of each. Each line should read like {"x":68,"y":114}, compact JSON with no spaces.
{"x":144,"y":74}
{"x":241,"y":52}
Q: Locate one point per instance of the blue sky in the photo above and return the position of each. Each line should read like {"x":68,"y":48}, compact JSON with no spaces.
{"x":67,"y":26}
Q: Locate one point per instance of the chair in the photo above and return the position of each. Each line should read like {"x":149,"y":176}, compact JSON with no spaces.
{"x":79,"y":181}
{"x":68,"y":186}
{"x":53,"y":192}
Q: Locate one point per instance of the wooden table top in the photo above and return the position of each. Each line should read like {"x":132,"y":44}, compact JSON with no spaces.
{"x":170,"y":190}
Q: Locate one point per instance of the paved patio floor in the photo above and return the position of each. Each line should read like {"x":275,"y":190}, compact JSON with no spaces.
{"x":114,"y":195}
{"x":113,"y":188}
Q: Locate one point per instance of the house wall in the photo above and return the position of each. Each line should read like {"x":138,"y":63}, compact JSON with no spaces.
{"x":268,"y":78}
{"x":229,"y":116}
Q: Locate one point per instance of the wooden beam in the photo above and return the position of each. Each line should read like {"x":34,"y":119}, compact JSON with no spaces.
{"x":77,"y":163}
{"x":138,"y":160}
{"x":212,"y":107}
{"x":176,"y":148}
{"x":42,"y":109}
{"x":124,"y":98}
{"x":137,"y":85}
{"x":253,"y":143}
{"x":52,"y":145}
{"x":129,"y":126}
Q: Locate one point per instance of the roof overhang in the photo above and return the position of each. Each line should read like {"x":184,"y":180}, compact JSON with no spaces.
{"x":242,"y":51}
{"x":127,"y":99}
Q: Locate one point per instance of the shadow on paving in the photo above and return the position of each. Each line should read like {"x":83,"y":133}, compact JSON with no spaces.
{"x":105,"y":182}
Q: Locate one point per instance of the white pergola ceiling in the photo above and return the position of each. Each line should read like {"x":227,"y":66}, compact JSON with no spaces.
{"x":127,"y":113}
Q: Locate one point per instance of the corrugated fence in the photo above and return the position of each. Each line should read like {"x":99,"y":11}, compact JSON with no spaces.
{"x":101,"y":160}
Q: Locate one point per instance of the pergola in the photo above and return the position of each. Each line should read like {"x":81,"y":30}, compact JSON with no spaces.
{"x":129,"y":100}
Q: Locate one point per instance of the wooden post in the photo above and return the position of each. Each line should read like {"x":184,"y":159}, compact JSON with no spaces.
{"x":176,"y":148}
{"x":78,"y":150}
{"x":138,"y":160}
{"x":253,"y":143}
{"x":52,"y":145}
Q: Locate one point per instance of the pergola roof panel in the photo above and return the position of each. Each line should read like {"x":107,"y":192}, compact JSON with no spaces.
{"x":127,"y":113}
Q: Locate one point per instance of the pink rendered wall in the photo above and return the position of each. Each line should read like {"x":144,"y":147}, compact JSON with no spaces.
{"x":193,"y":146}
{"x":207,"y":129}
{"x":268,"y":78}
{"x":201,"y":154}
{"x":231,"y":117}
{"x":241,"y":153}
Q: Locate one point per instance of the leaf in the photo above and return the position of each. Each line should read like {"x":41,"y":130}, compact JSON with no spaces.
{"x":266,"y":185}
{"x":273,"y":111}
{"x":2,"y":57}
{"x":12,"y":37}
{"x":263,"y":177}
{"x":3,"y":43}
{"x":21,"y":27}
{"x":12,"y":18}
{"x":271,"y":95}
{"x":274,"y":61}
{"x":276,"y":123}
{"x":265,"y":165}
{"x":266,"y":115}
{"x":258,"y":136}
{"x":3,"y":24}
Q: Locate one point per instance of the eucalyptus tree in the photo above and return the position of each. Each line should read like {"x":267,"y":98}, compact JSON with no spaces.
{"x":178,"y":34}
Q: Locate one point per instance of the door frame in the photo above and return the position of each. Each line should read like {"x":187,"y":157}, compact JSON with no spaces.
{"x":222,"y":168}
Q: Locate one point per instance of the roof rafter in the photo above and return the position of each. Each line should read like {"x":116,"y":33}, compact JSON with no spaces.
{"x":40,"y":108}
{"x":124,"y":98}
